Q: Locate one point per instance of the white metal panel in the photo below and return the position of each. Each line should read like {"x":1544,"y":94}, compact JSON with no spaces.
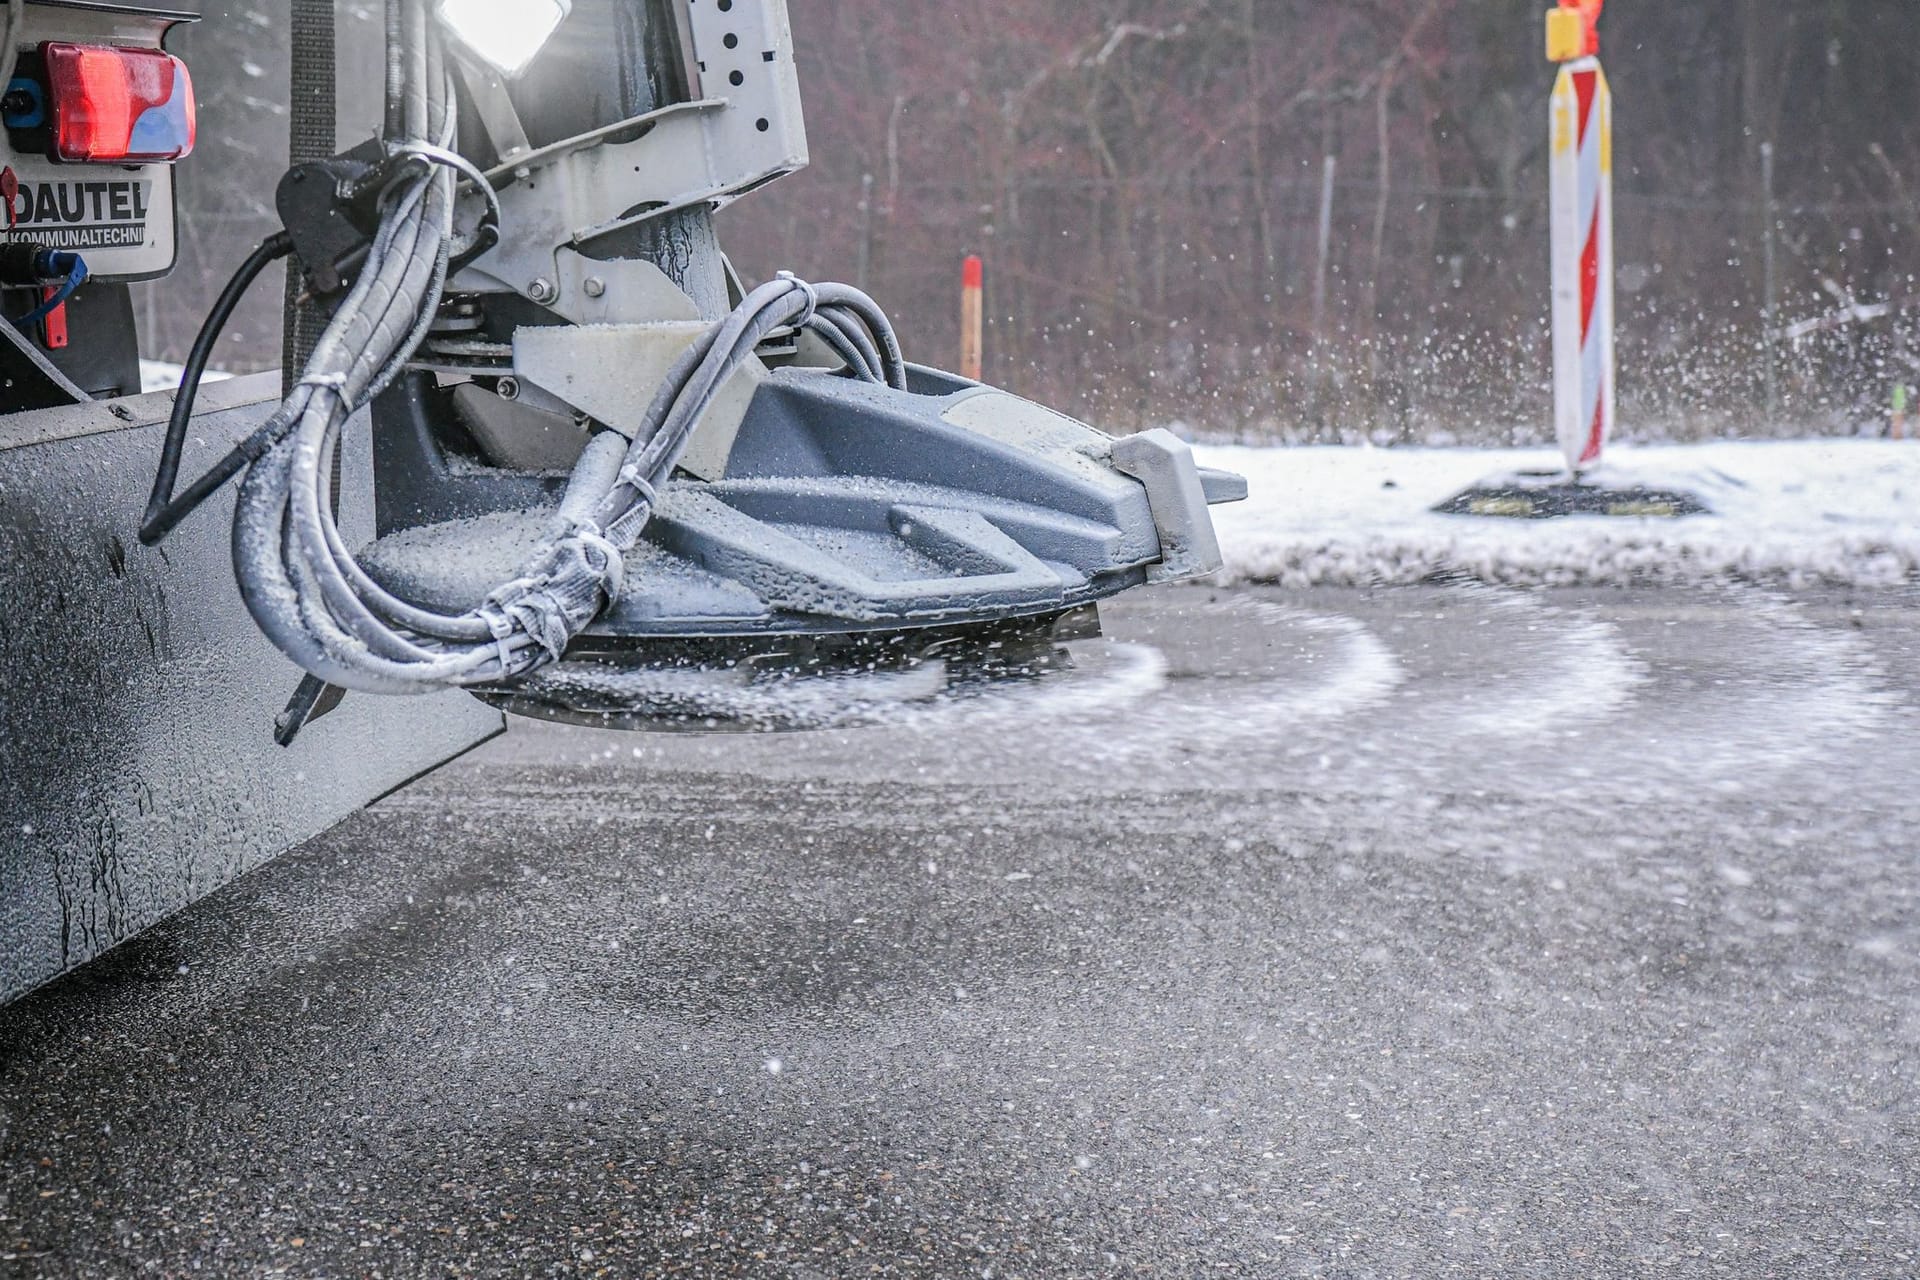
{"x":1582,"y":226}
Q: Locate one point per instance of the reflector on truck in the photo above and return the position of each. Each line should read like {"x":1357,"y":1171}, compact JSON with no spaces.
{"x":114,"y":106}
{"x":93,"y":130}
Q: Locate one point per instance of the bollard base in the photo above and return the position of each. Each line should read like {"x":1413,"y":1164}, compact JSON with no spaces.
{"x":1551,"y":495}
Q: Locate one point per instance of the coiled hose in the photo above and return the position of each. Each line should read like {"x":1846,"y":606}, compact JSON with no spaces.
{"x":299,"y":578}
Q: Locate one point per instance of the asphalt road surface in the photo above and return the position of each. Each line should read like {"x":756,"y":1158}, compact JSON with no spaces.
{"x":1418,"y":933}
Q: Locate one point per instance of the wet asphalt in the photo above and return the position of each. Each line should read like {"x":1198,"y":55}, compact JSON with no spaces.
{"x":1413,"y":933}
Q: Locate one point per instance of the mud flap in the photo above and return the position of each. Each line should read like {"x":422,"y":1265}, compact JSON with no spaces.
{"x":138,"y":768}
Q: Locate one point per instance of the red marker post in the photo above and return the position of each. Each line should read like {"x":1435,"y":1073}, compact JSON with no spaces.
{"x":1582,"y":166}
{"x":973,"y":317}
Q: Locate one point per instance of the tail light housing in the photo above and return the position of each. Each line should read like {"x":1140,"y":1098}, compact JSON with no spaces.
{"x":109,"y":105}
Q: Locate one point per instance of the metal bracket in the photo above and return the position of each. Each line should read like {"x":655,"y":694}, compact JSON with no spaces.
{"x":1164,"y":463}
{"x":612,"y":372}
{"x":491,"y":102}
{"x":745,"y":129}
{"x":614,"y":290}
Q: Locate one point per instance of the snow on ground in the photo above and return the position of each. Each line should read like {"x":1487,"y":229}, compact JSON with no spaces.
{"x":157,"y":375}
{"x":1793,"y":513}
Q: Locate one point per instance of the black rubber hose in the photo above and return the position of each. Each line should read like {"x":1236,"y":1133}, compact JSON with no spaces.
{"x":163,"y":512}
{"x":842,"y":346}
{"x":396,"y":125}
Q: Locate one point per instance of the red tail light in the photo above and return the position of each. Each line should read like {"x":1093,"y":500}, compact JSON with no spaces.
{"x":118,"y":106}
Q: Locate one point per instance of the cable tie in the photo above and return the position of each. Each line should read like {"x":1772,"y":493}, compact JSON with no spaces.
{"x":631,"y":477}
{"x":327,"y":381}
{"x":813,"y":297}
{"x":459,"y":164}
{"x":502,"y":624}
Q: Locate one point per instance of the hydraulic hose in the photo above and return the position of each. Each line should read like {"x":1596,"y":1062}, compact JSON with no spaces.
{"x":297,"y":574}
{"x":316,"y":602}
{"x":163,"y":512}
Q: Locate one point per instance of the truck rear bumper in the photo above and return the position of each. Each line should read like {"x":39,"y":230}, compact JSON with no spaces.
{"x":138,"y":771}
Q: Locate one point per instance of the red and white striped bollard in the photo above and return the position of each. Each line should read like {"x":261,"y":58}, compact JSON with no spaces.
{"x":1582,"y":165}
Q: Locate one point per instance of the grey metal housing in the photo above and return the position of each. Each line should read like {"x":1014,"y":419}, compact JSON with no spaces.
{"x":844,"y":506}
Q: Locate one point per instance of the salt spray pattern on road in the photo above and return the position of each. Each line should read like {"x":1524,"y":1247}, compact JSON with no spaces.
{"x":1574,"y":670}
{"x":1364,"y":675}
{"x":1582,"y":701}
{"x":1802,"y":693}
{"x":1127,"y":675}
{"x":1583,"y":671}
{"x":1439,"y":689}
{"x":1723,"y":691}
{"x":1126,"y":713}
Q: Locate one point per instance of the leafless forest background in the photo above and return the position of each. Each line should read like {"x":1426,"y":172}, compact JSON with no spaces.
{"x":1144,"y":178}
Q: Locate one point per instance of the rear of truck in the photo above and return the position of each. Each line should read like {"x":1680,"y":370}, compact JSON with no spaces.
{"x":138,"y":769}
{"x":97,"y":115}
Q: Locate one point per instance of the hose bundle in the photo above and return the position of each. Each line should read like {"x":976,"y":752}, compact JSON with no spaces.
{"x":298,"y":577}
{"x":313,"y":599}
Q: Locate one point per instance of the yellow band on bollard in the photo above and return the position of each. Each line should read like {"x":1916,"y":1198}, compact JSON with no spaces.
{"x":1566,"y":35}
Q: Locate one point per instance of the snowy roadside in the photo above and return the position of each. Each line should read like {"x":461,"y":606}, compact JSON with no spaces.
{"x":157,"y":375}
{"x":1794,"y":513}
